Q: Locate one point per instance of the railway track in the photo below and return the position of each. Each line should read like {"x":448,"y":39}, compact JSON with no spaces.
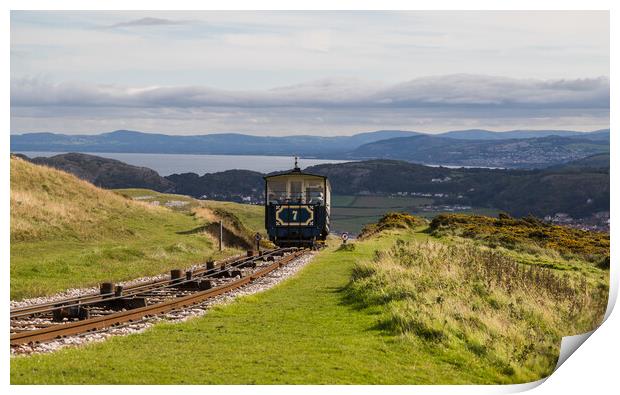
{"x":116,"y":306}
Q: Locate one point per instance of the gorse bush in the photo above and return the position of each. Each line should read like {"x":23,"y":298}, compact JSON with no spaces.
{"x":466,"y":299}
{"x":525,"y":233}
{"x":393,"y":220}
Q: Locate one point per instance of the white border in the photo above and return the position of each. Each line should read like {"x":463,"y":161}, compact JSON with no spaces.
{"x":593,"y":368}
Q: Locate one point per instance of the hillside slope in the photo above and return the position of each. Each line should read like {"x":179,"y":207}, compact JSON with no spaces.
{"x":49,"y":204}
{"x":107,"y":173}
{"x":65,"y":232}
{"x":242,"y":144}
{"x":481,"y":134}
{"x":224,"y":185}
{"x":577,"y":190}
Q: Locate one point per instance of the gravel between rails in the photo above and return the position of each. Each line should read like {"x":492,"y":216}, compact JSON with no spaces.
{"x":259,"y":285}
{"x":75,"y":292}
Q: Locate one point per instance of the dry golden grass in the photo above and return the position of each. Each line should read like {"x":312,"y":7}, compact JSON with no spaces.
{"x":477,"y":301}
{"x":393,"y":220}
{"x":206,"y":213}
{"x":49,"y":204}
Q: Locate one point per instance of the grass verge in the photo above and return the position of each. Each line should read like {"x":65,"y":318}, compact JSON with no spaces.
{"x":66,"y":233}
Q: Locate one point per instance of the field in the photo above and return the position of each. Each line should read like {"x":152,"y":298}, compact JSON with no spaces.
{"x":351,"y":213}
{"x":66,"y":233}
{"x":398,"y":308}
{"x":473,"y":211}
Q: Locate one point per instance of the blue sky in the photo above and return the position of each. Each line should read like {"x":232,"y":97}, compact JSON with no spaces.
{"x":328,"y":73}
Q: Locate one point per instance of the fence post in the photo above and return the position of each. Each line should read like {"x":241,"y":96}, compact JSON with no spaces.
{"x":257,"y":238}
{"x":221,"y":235}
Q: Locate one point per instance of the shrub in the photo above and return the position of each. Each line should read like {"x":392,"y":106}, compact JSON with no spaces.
{"x":346,"y":247}
{"x":604,"y":263}
{"x":523,"y":234}
{"x":393,"y":220}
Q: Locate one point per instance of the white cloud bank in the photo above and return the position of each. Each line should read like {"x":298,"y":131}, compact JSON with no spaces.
{"x":325,"y":106}
{"x":210,"y":71}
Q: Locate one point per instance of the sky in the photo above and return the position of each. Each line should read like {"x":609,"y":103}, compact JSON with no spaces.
{"x":323,"y":73}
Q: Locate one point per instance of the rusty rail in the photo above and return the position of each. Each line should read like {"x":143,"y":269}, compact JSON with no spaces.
{"x":98,"y":323}
{"x":136,"y":289}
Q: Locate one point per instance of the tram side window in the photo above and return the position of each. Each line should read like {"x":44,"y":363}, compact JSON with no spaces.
{"x":314,"y":193}
{"x":276,"y":192}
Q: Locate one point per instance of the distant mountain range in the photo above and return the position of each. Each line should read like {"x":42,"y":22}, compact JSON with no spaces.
{"x":512,"y":149}
{"x":221,"y":143}
{"x":579,"y":188}
{"x":481,"y":134}
{"x":506,"y":153}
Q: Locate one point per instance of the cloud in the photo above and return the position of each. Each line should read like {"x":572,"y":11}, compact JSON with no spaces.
{"x":149,"y":21}
{"x":490,"y":91}
{"x":257,"y":50}
{"x":442,"y":92}
{"x":201,"y":71}
{"x":328,"y":106}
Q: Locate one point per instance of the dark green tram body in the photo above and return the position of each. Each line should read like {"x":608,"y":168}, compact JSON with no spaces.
{"x":297,"y":208}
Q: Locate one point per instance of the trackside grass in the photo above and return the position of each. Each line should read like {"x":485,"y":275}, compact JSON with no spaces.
{"x":303,"y":331}
{"x":67,"y":233}
{"x":42,"y":268}
{"x":245,"y":218}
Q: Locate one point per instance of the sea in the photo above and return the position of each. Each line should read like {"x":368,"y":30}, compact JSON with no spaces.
{"x":167,"y":164}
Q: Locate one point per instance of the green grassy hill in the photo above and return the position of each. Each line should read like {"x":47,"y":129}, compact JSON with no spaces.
{"x":401,"y":307}
{"x":244,"y":220}
{"x":251,"y":216}
{"x":65,"y":232}
{"x":48,"y":204}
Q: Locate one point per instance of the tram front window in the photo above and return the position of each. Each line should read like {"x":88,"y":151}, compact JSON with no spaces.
{"x":295,"y":192}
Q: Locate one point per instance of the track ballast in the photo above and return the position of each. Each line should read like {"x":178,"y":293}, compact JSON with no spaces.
{"x":117,"y":306}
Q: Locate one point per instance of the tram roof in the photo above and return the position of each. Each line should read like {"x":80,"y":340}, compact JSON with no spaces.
{"x":294,"y":172}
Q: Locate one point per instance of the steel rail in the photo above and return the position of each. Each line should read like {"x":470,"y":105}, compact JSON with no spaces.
{"x":100,"y":296}
{"x":138,"y":289}
{"x":99,"y":323}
